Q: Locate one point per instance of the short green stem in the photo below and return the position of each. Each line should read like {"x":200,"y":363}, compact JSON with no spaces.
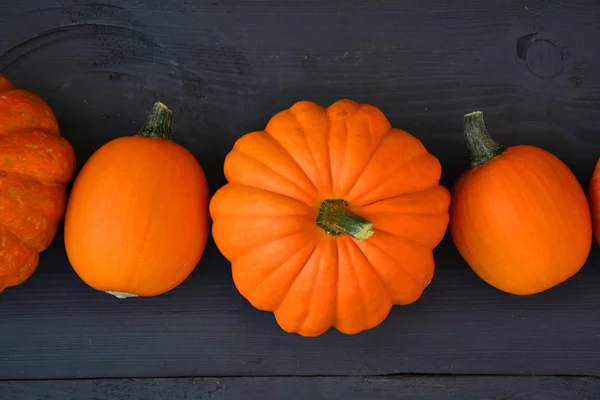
{"x":158,"y":124}
{"x":481,"y":146}
{"x":336,"y":219}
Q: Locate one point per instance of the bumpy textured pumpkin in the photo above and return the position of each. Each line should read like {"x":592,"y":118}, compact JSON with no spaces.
{"x":137,"y":217}
{"x":519,"y":217}
{"x":35,"y":165}
{"x":329,"y":217}
{"x":594,"y":198}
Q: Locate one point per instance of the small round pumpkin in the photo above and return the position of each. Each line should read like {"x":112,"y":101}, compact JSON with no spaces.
{"x":137,"y":217}
{"x":594,"y":199}
{"x":36,"y":163}
{"x":519,"y":217}
{"x":330,"y":216}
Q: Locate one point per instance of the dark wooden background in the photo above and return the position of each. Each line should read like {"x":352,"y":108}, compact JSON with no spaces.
{"x":224,"y":67}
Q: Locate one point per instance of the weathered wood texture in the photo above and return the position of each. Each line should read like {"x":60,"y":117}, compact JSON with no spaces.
{"x":225,"y":67}
{"x":314,"y":388}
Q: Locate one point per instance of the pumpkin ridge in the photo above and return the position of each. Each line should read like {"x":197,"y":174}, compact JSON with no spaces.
{"x":279,"y":174}
{"x":309,"y":147}
{"x":320,"y":277}
{"x":396,"y":261}
{"x":405,"y":239}
{"x":337,"y":282}
{"x":24,"y":242}
{"x":359,"y":294}
{"x":47,"y":131}
{"x":317,"y":267}
{"x":45,"y":182}
{"x":369,"y":160}
{"x":43,"y":191}
{"x":267,"y":276}
{"x":245,"y":252}
{"x":39,"y":115}
{"x":286,"y":151}
{"x":375,"y":272}
{"x":231,"y":212}
{"x":422,"y":191}
{"x":394,"y":171}
{"x":287,"y":291}
{"x":56,"y":141}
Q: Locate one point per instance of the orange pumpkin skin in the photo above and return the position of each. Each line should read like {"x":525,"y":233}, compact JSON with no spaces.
{"x":35,"y":165}
{"x":275,"y":219}
{"x":521,"y":219}
{"x":137,"y":217}
{"x":594,"y":199}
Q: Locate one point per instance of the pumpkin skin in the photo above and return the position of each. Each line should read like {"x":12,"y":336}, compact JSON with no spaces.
{"x":137,"y":217}
{"x":329,"y":217}
{"x":519,"y":216}
{"x":594,"y":199}
{"x":36,"y":163}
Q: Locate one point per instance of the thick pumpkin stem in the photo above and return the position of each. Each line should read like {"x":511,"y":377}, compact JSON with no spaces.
{"x":481,"y":146}
{"x":336,"y":219}
{"x":158,"y":124}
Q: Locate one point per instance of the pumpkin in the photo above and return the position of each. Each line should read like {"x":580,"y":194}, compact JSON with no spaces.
{"x":594,"y":200}
{"x":329,"y":217}
{"x":36,"y":163}
{"x":137,"y":218}
{"x":519,"y":217}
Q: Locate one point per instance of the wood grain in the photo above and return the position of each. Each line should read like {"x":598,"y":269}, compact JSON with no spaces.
{"x":225,"y":67}
{"x":330,"y":388}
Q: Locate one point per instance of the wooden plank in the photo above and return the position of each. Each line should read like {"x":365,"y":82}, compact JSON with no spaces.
{"x":330,"y":388}
{"x":225,"y":67}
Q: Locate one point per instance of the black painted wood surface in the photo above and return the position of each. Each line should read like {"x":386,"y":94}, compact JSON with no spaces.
{"x":330,"y":388}
{"x":225,"y":67}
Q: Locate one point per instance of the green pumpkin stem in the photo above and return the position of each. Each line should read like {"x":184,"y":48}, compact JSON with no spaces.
{"x":336,"y":219}
{"x":158,"y":124}
{"x":481,"y":146}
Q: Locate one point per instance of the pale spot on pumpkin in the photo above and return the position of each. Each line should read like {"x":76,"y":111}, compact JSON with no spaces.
{"x":16,"y":195}
{"x":122,"y":295}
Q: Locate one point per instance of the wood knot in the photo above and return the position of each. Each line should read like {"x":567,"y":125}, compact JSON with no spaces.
{"x":541,"y":56}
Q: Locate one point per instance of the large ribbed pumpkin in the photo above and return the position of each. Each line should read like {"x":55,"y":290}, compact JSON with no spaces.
{"x":519,"y":216}
{"x":35,"y":165}
{"x":137,"y":218}
{"x":330,"y":216}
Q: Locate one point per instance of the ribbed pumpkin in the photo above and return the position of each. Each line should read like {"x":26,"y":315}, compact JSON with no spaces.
{"x":594,"y":199}
{"x":35,"y":165}
{"x":519,"y":216}
{"x":329,"y":217}
{"x":137,"y":217}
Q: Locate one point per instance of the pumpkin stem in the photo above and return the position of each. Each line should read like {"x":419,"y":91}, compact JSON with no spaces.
{"x":158,"y":124}
{"x":336,"y":219}
{"x":481,"y":146}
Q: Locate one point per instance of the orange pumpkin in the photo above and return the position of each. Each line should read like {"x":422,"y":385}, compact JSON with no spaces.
{"x":594,"y":198}
{"x":35,"y":165}
{"x":329,"y":217}
{"x":519,"y":217}
{"x":137,"y":218}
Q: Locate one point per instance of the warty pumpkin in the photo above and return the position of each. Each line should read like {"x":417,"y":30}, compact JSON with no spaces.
{"x":329,"y":217}
{"x":137,"y":218}
{"x":519,"y":216}
{"x":36,"y":163}
{"x":594,"y":200}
